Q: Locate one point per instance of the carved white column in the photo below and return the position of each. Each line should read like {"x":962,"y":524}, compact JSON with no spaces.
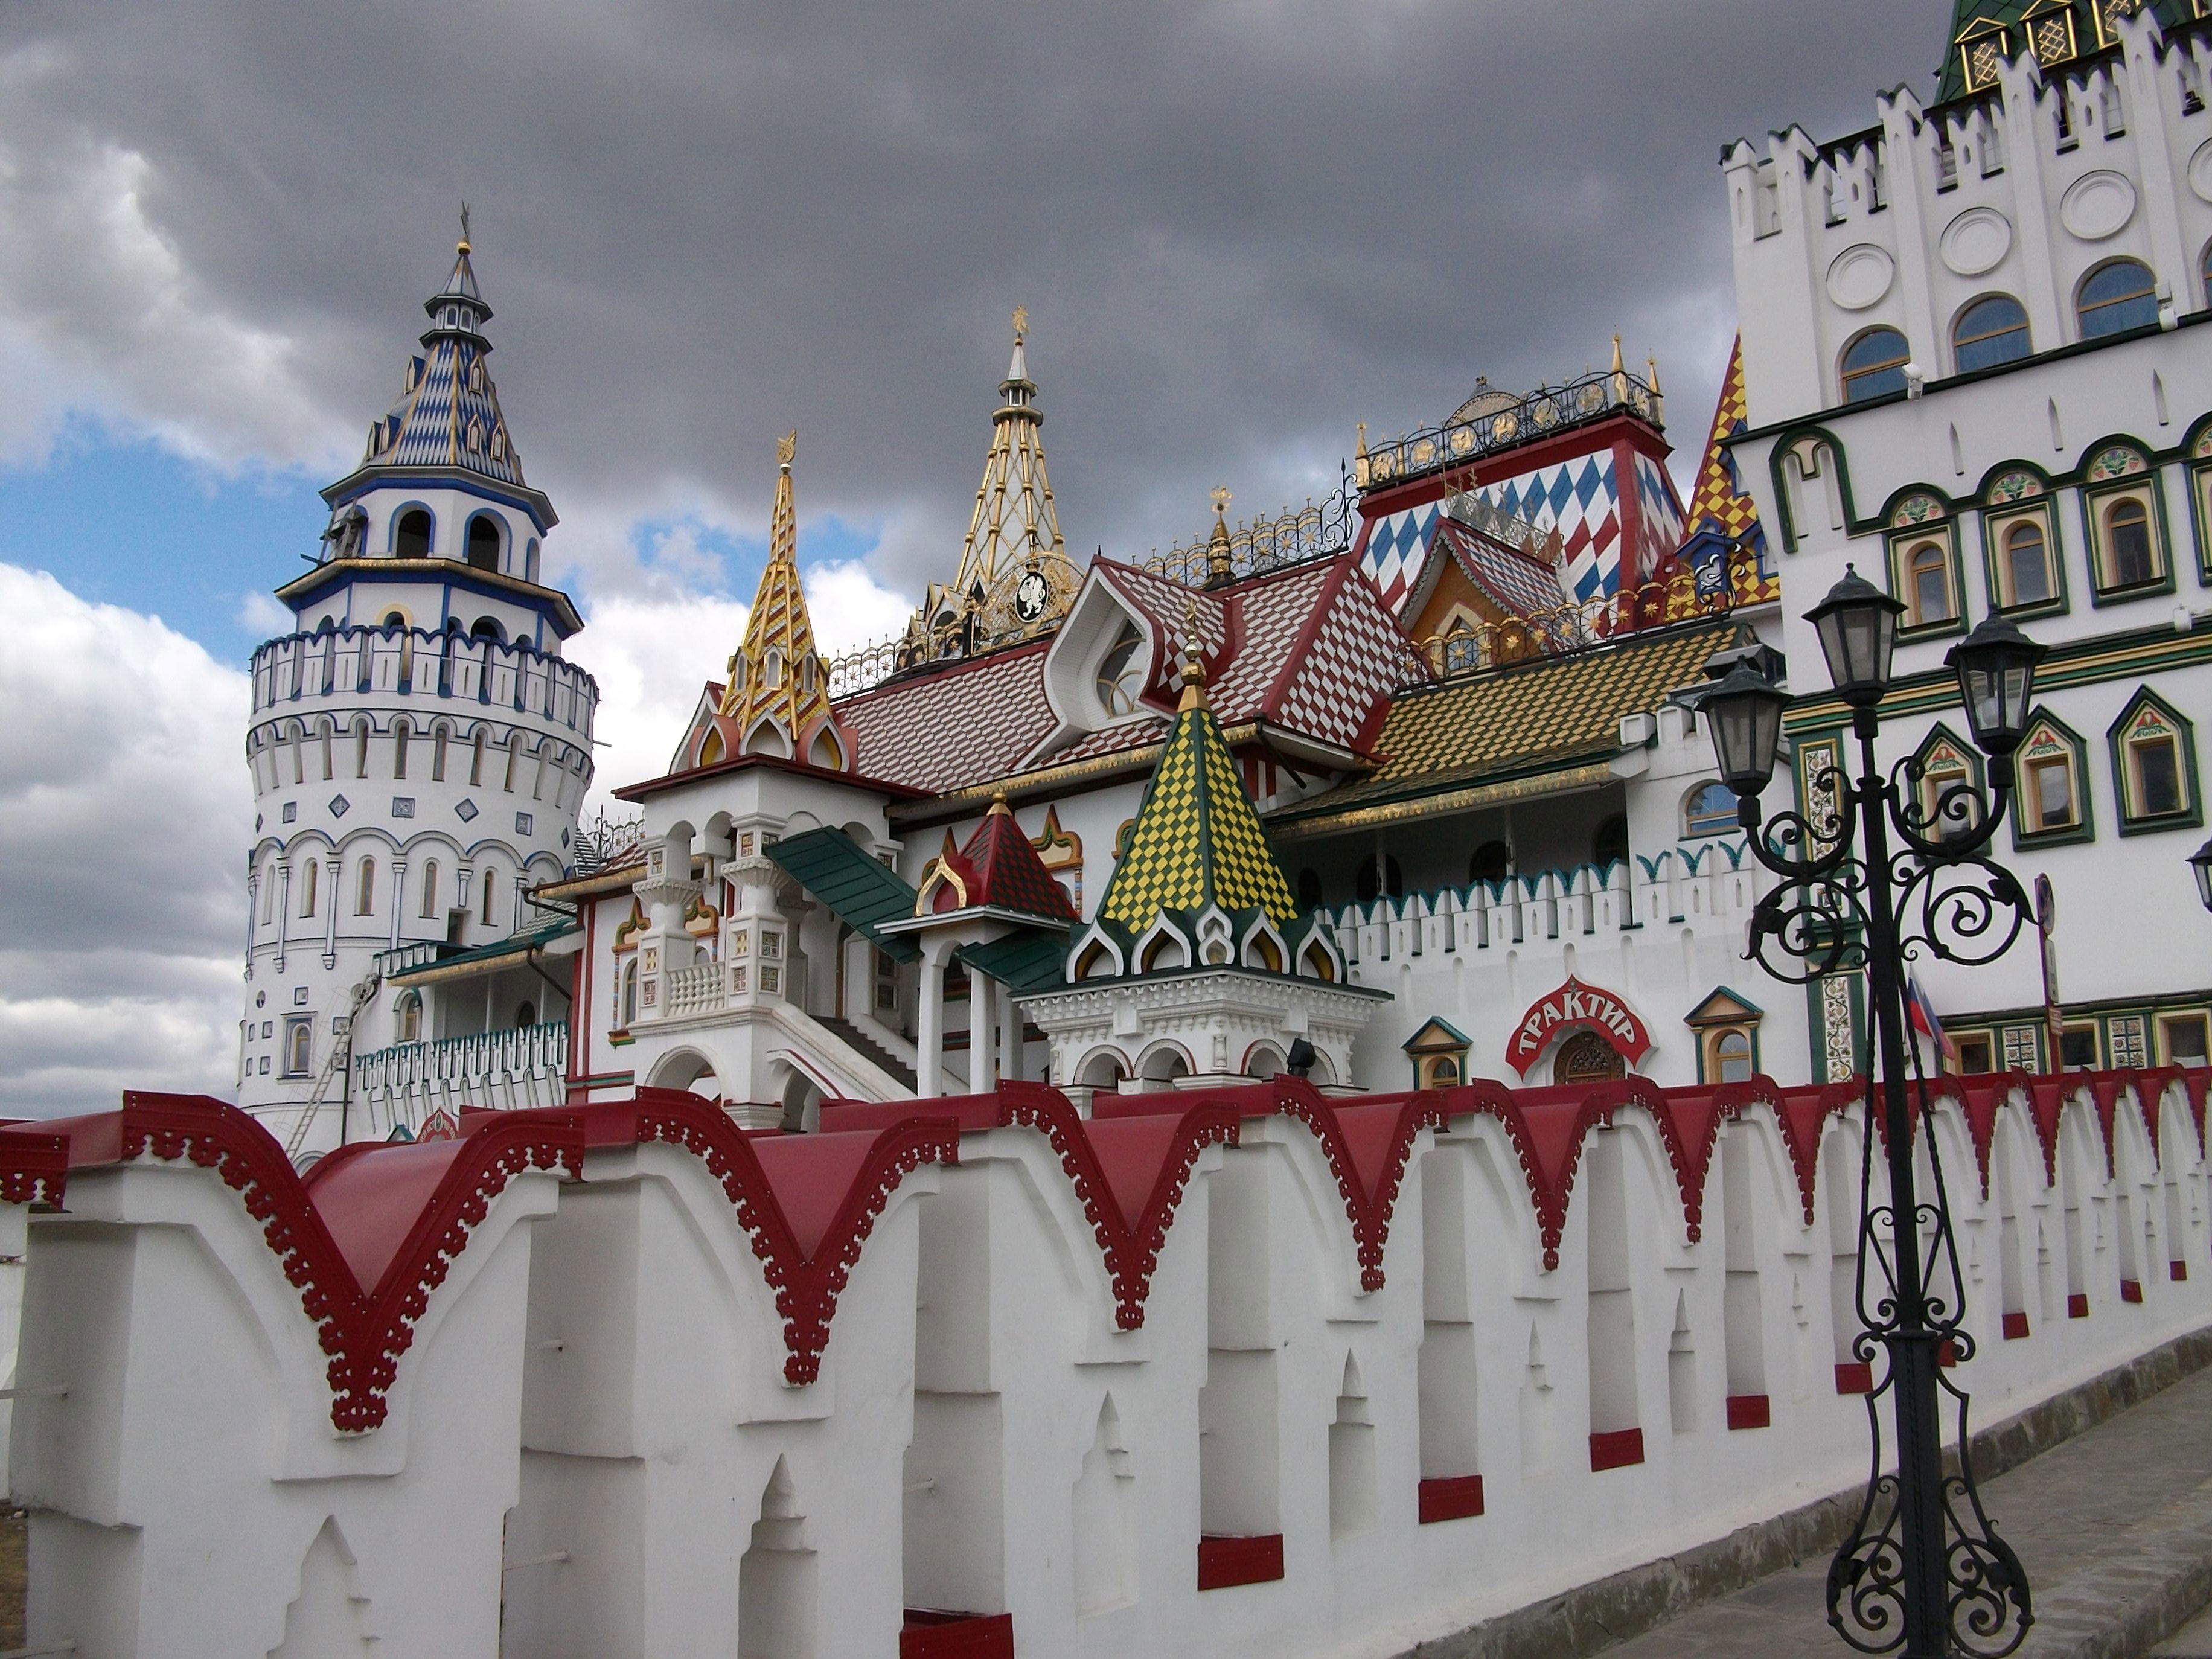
{"x":982,"y":1007}
{"x":332,"y":866}
{"x":929,"y":1024}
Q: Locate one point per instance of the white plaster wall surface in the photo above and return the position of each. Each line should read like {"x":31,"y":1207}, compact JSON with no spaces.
{"x":604,"y":1373}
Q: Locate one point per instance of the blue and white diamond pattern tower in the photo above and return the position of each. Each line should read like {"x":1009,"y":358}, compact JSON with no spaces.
{"x":418,"y":745}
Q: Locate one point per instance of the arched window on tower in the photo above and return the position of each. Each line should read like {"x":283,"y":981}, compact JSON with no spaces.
{"x":484,"y":543}
{"x":1874,"y":365}
{"x":2117,"y":297}
{"x":364,"y":892}
{"x":400,"y":734}
{"x":412,"y":539}
{"x":1989,"y":331}
{"x":490,"y":896}
{"x":360,"y":747}
{"x":407,"y":1017}
{"x":307,"y":886}
{"x":430,"y":888}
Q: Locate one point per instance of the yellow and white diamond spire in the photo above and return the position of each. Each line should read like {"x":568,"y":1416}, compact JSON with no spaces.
{"x":1014,"y":524}
{"x":776,"y":675}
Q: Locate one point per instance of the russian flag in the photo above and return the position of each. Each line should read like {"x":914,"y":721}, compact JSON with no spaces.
{"x":1921,"y":1013}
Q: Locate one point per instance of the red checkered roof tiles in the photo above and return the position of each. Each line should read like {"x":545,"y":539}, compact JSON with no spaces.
{"x":960,"y":726}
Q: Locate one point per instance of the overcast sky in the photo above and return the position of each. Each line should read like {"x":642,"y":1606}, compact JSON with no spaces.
{"x":1238,"y":229}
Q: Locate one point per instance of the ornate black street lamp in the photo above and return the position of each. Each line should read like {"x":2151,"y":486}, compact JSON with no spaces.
{"x":2200,"y":866}
{"x":1922,"y":1569}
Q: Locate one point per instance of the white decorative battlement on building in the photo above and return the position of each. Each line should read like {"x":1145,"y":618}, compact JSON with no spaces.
{"x":1234,"y":1370}
{"x":2025,"y":191}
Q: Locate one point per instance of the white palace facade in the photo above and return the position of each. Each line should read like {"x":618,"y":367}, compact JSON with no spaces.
{"x":1201,"y":1104}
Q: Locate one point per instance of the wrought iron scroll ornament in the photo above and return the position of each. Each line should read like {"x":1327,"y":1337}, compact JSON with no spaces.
{"x":1848,"y":903}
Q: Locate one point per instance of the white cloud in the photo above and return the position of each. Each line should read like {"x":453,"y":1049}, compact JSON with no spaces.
{"x":263,"y":616}
{"x":850,"y":608}
{"x":125,"y":810}
{"x":650,"y":653}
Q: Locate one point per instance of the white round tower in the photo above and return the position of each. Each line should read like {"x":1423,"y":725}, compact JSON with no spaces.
{"x":419,"y":748}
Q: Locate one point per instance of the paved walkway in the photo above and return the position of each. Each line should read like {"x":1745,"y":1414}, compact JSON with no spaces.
{"x":2109,"y":1520}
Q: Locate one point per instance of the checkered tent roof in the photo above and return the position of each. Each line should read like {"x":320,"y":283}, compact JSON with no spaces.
{"x":1720,"y":502}
{"x":1196,"y":839}
{"x":1002,"y":868}
{"x":448,"y":412}
{"x":1555,"y":712}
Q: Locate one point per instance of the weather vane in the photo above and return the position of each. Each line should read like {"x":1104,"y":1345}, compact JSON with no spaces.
{"x":787,"y":448}
{"x":1021,"y":321}
{"x":1220,"y":498}
{"x":464,"y":224}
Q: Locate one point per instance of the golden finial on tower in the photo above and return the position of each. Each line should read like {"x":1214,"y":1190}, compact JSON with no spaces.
{"x":464,"y":247}
{"x":1362,"y":450}
{"x":1616,"y":353}
{"x":1221,"y":497}
{"x":1652,"y":363}
{"x":1021,"y":321}
{"x":786,"y":448}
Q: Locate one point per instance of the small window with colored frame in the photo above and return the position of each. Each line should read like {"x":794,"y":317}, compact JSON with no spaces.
{"x":2127,"y":543}
{"x":2024,"y":570}
{"x":2154,"y":767}
{"x":1949,"y":787}
{"x":2185,"y":1039}
{"x":1923,"y":561}
{"x":1976,"y":1052}
{"x":2200,"y":492}
{"x":2077,"y":1047}
{"x":2052,"y":801}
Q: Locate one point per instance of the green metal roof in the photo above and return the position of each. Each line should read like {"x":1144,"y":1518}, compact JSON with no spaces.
{"x":830,"y":864}
{"x":487,"y":959}
{"x":1028,"y":960}
{"x":2055,"y":32}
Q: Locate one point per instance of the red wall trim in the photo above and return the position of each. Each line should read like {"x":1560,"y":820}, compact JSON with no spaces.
{"x":932,"y":1635}
{"x":2015,"y":1326}
{"x":1223,"y":1561}
{"x":1450,"y":1498}
{"x":2077,"y":1307}
{"x":1616,"y":1450}
{"x":1749,"y":1411}
{"x":1854,"y":1377}
{"x":2130,"y":1289}
{"x":2177,"y":1271}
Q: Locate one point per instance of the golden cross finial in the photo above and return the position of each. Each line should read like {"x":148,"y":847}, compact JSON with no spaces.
{"x":1221,"y":498}
{"x":1021,"y":321}
{"x":787,"y":448}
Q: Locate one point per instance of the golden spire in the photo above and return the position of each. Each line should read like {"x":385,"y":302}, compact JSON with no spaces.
{"x":777,"y":675}
{"x":1616,"y":353}
{"x":1218,"y":555}
{"x":1652,"y":363}
{"x":1014,"y":524}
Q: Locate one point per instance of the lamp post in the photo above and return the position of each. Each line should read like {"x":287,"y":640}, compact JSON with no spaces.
{"x":1922,"y":1569}
{"x":2200,"y":866}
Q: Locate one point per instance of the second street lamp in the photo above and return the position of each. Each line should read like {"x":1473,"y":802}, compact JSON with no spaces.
{"x":1922,"y":1569}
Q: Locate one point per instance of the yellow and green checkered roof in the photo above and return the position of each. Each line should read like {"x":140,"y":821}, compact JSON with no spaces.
{"x":1549,"y":715}
{"x":1197,"y":838}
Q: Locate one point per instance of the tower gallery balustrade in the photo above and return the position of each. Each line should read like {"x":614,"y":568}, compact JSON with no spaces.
{"x":339,"y":665}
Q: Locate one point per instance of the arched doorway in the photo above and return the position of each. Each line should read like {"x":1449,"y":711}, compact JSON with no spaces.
{"x":1586,"y":1057}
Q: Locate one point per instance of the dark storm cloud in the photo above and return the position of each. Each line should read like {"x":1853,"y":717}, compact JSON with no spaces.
{"x":1238,"y":227}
